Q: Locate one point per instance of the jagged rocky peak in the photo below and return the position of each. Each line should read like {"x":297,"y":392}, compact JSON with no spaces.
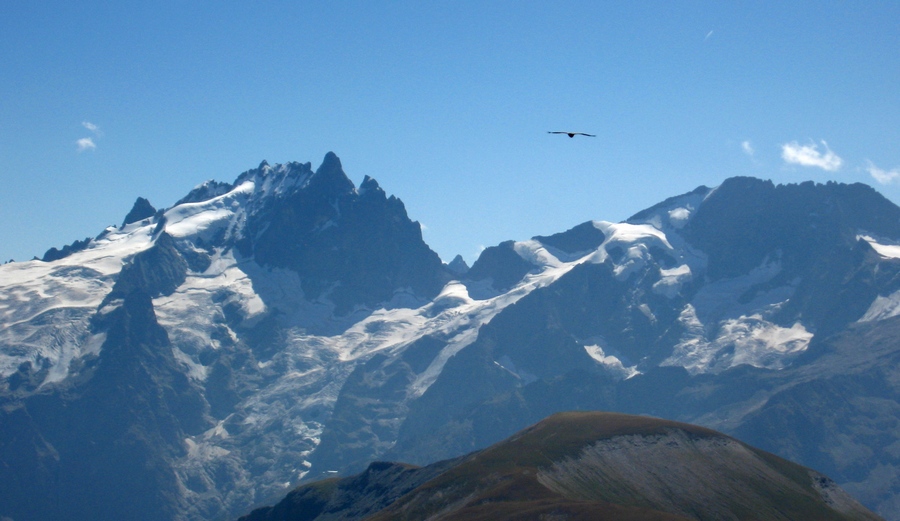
{"x":277,"y":180}
{"x":330,"y":177}
{"x":458,"y":265}
{"x":331,"y":162}
{"x":142,"y":209}
{"x":358,"y":245}
{"x":54,"y":254}
{"x":286,"y":179}
{"x":370,"y":186}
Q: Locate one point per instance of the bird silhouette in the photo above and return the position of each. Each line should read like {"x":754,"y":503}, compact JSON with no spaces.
{"x":572,"y":134}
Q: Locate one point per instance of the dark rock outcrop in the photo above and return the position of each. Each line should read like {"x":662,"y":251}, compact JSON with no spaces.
{"x":54,"y":254}
{"x":141,"y":210}
{"x":358,"y":246}
{"x":501,"y":265}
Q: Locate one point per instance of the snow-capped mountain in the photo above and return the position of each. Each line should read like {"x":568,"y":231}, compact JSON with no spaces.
{"x":200,"y":359}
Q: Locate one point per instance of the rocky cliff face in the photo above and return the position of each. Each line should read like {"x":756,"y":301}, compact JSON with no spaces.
{"x":110,"y":431}
{"x":359,"y":246}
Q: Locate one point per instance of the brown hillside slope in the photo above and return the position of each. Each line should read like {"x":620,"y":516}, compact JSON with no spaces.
{"x":589,"y":466}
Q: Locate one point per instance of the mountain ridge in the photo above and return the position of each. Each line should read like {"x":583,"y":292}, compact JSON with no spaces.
{"x":317,"y":332}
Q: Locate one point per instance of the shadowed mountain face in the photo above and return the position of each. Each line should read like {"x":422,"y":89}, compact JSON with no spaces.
{"x":291,"y":326}
{"x":358,"y":245}
{"x":112,"y":430}
{"x":575,"y":466}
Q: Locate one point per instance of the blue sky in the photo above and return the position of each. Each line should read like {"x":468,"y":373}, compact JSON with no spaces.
{"x":446,"y":104}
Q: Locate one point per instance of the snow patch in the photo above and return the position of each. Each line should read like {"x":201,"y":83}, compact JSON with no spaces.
{"x":630,"y":233}
{"x":749,"y":340}
{"x":535,"y":253}
{"x":635,"y":259}
{"x":672,"y":280}
{"x":635,"y":240}
{"x":883,"y":308}
{"x":612,"y":363}
{"x":890,"y":251}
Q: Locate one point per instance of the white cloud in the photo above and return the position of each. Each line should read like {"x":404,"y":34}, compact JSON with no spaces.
{"x":883,"y":176}
{"x":747,"y":147}
{"x":85,"y":143}
{"x":809,"y":155}
{"x":708,"y":35}
{"x":92,"y":127}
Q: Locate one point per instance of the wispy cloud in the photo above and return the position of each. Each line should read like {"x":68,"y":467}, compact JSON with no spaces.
{"x":85,"y":143}
{"x":708,"y":35}
{"x":747,"y":147}
{"x":810,"y":155}
{"x":92,"y":127}
{"x":883,"y":176}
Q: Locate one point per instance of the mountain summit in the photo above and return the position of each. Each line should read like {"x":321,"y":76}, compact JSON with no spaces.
{"x":289,"y":326}
{"x":212,"y":289}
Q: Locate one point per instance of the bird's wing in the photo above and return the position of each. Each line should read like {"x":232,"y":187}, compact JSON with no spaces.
{"x":571,"y":133}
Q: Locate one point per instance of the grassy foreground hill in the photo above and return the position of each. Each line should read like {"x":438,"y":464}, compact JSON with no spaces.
{"x":583,"y":466}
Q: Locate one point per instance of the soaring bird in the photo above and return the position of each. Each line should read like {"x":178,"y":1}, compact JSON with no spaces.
{"x":572,"y":134}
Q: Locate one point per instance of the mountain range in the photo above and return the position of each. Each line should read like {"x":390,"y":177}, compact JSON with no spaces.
{"x":198,"y":360}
